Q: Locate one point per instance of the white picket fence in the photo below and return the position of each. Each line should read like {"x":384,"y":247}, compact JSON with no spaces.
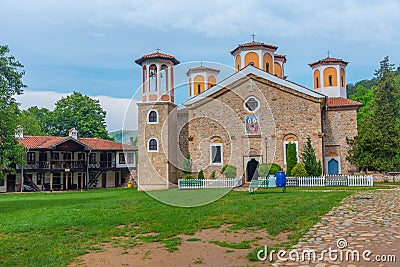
{"x":349,"y":180}
{"x":209,"y":183}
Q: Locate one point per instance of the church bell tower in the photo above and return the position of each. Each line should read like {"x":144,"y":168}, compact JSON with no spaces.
{"x":157,"y":118}
{"x":329,"y":76}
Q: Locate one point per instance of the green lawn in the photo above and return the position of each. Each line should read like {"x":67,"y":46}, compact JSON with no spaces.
{"x":44,"y":229}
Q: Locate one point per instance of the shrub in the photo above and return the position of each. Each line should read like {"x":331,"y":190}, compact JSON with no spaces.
{"x":229,"y":171}
{"x":308,"y":158}
{"x":299,"y":170}
{"x":200,"y":175}
{"x":212,"y":176}
{"x":188,"y":176}
{"x":265,"y":169}
{"x":291,"y":157}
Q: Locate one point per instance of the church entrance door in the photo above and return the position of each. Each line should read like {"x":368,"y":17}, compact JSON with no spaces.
{"x":333,"y":167}
{"x":251,"y":170}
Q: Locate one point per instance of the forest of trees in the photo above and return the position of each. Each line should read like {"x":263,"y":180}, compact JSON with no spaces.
{"x":377,"y":145}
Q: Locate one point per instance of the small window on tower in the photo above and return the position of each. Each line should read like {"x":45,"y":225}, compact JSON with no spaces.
{"x":267,"y":67}
{"x":342,"y":81}
{"x":153,"y":117}
{"x":198,"y":89}
{"x":330,"y":80}
{"x":317,"y":82}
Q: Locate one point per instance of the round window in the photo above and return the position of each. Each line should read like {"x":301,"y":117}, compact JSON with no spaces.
{"x":251,"y":104}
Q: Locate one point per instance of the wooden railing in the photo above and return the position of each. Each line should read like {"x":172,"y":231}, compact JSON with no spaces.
{"x":67,"y":164}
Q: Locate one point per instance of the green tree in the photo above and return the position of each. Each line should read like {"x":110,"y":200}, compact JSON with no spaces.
{"x":364,"y":96}
{"x":30,"y":124}
{"x":377,"y":144}
{"x":299,"y":171}
{"x":11,"y":73}
{"x":291,"y":157}
{"x":81,"y":112}
{"x":187,"y":164}
{"x":309,"y":160}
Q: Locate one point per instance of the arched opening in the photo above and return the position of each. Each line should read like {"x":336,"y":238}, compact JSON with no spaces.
{"x":277,"y":69}
{"x":237,"y":62}
{"x":198,"y":85}
{"x":211,"y":81}
{"x":317,"y":79}
{"x":342,"y":78}
{"x":164,"y":78}
{"x":153,"y":78}
{"x":252,"y":58}
{"x":144,"y":72}
{"x":252,"y":170}
{"x":153,"y":145}
{"x":330,"y":77}
{"x":190,"y":87}
{"x":267,"y":63}
{"x":216,"y":152}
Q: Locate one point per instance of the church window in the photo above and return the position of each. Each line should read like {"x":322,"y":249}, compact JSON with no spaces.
{"x":198,"y":89}
{"x":290,"y":140}
{"x":342,"y":81}
{"x":216,"y":153}
{"x":267,"y":67}
{"x":153,"y":145}
{"x":251,"y":104}
{"x":317,"y":82}
{"x":153,"y":116}
{"x":330,"y":80}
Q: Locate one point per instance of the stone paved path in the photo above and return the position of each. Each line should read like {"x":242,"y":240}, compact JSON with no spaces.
{"x":367,"y":220}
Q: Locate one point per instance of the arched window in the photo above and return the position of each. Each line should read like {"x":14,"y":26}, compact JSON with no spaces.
{"x":153,"y":145}
{"x":216,"y":153}
{"x":153,"y":78}
{"x":153,"y":116}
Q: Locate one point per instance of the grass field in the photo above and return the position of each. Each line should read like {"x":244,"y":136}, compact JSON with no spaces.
{"x":43,"y":229}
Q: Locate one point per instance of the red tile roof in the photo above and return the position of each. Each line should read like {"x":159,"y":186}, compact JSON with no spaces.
{"x":254,"y":44}
{"x":47,"y":142}
{"x":157,"y":55}
{"x":342,"y":102}
{"x":328,"y":60}
{"x":280,"y":56}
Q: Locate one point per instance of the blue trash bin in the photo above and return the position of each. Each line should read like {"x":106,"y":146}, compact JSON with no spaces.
{"x":280,"y":179}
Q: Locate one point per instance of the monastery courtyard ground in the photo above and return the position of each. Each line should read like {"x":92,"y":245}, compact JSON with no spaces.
{"x":122,"y":227}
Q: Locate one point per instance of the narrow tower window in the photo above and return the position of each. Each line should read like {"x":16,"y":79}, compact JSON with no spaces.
{"x":198,"y":89}
{"x":317,"y":82}
{"x":267,"y":67}
{"x":330,"y":80}
{"x":342,"y":81}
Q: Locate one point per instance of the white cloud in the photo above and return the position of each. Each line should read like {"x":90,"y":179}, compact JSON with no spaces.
{"x":115,"y":107}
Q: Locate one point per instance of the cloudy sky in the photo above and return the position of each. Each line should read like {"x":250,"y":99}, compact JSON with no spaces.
{"x":90,"y":45}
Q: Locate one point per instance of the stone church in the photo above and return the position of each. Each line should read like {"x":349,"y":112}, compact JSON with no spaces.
{"x":244,"y":120}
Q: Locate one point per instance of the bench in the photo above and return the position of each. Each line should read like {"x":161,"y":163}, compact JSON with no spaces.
{"x":264,"y":183}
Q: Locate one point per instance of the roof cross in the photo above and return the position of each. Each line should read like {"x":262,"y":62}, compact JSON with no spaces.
{"x":328,"y":52}
{"x":253,"y":35}
{"x":158,"y":49}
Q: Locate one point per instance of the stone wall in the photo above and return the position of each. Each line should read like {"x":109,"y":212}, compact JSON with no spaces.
{"x":283,"y":112}
{"x":340,"y":123}
{"x":156,"y":169}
